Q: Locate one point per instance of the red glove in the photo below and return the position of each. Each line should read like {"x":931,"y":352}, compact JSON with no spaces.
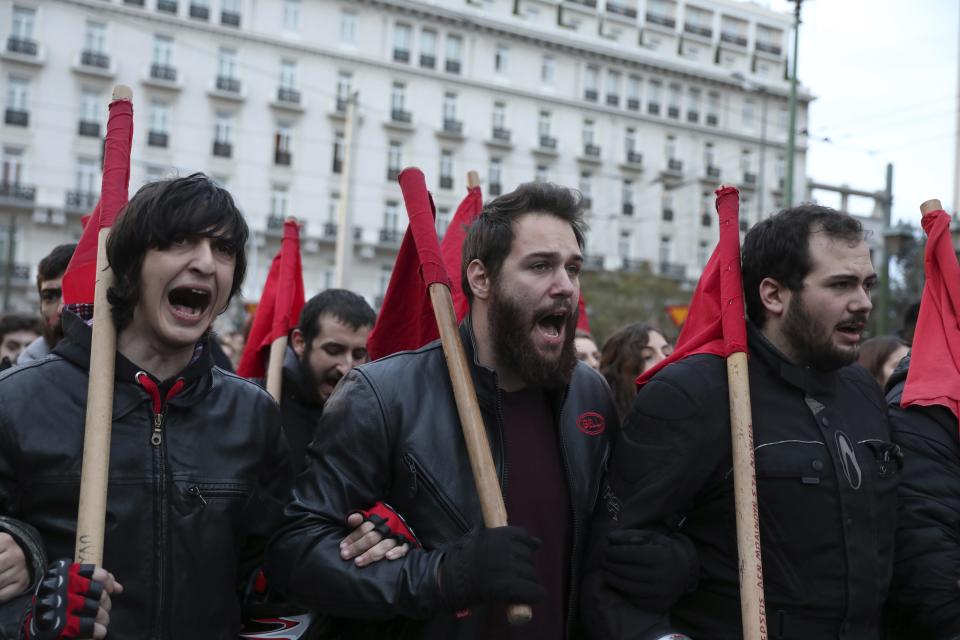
{"x":389,"y":524}
{"x":65,"y":604}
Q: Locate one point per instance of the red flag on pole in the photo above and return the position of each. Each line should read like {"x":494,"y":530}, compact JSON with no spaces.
{"x":934,"y":375}
{"x":280,"y":305}
{"x":716,"y":322}
{"x":452,"y":246}
{"x":406,"y":319}
{"x":80,"y":276}
{"x":583,"y":322}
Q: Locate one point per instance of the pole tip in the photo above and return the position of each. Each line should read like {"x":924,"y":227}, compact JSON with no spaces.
{"x":122,"y":92}
{"x":930,"y":205}
{"x":473,"y":179}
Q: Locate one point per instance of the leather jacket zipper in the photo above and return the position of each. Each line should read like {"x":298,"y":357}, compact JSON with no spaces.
{"x":156,"y":438}
{"x":420,"y":477}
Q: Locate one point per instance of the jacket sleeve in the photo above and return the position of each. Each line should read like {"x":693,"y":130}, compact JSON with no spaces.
{"x":927,"y":564}
{"x":665,"y":454}
{"x":348,"y":467}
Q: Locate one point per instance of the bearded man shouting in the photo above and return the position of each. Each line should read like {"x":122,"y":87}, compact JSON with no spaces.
{"x":391,"y":432}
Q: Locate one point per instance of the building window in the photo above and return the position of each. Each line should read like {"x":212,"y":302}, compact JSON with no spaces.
{"x":23,"y":22}
{"x":288,"y":74}
{"x":339,"y":140}
{"x":548,"y":70}
{"x":667,"y":206}
{"x":586,"y":189}
{"x":391,"y":217}
{"x":282,"y":145}
{"x":588,"y":133}
{"x":344,"y":81}
{"x":279,"y":201}
{"x":501,"y":59}
{"x":348,"y":27}
{"x":627,"y":193}
{"x":163,"y":51}
{"x":18,"y":102}
{"x":401,"y":42}
{"x":87,"y":177}
{"x":541,"y":174}
{"x":613,"y":88}
{"x":398,"y":100}
{"x":653,"y":97}
{"x":707,"y":206}
{"x":703,"y":254}
{"x":748,"y":113}
{"x":223,"y":134}
{"x":543,"y":128}
{"x":291,"y":14}
{"x":95,"y":37}
{"x":591,"y":83}
{"x":673,"y":104}
{"x":227,"y":63}
{"x":158,"y":136}
{"x":783,"y":119}
{"x":623,"y":245}
{"x":12,"y":166}
{"x":499,"y":117}
{"x":394,"y":160}
{"x":633,"y":93}
{"x":449,"y":107}
{"x":446,"y":169}
{"x":713,"y":109}
{"x":428,"y":48}
{"x":495,"y":186}
{"x":666,"y":250}
{"x":90,"y":113}
{"x":454,"y":53}
{"x":200,"y":9}
{"x":630,"y":146}
{"x":693,"y":105}
{"x":443,"y":221}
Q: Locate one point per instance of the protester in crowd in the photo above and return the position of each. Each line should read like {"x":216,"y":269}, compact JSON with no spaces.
{"x":880,"y":355}
{"x":826,"y":468}
{"x":17,"y":331}
{"x":198,"y":467}
{"x":330,"y":339}
{"x":49,"y":274}
{"x":628,"y":352}
{"x":910,"y":316}
{"x":391,"y":432}
{"x":586,"y":348}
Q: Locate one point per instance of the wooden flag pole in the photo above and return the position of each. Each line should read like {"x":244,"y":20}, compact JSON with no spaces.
{"x":752,"y":604}
{"x":91,"y":515}
{"x":278,"y":348}
{"x":473,"y":179}
{"x":930,"y":205}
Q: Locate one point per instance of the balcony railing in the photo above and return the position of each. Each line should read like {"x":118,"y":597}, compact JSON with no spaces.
{"x":634,"y":157}
{"x":698,"y":31}
{"x":501,"y":135}
{"x":592,"y":262}
{"x":158,"y":139}
{"x":199,"y":11}
{"x":88,"y":128}
{"x":733,"y":38}
{"x":712,"y":119}
{"x":673,"y":112}
{"x":290,"y":96}
{"x":18,"y":191}
{"x":84,"y":200}
{"x":635,"y":264}
{"x":667,"y":215}
{"x":134,"y":3}
{"x":230,"y":18}
{"x":586,"y":3}
{"x":17,"y":117}
{"x":713,"y":172}
{"x":401,"y":115}
{"x":693,"y":116}
{"x":163,"y":72}
{"x":392,"y":173}
{"x":628,"y":208}
{"x":706,"y":219}
{"x":494,"y":188}
{"x":167,"y":6}
{"x":749,"y":178}
{"x":329,"y":229}
{"x":620,"y":9}
{"x":548,"y":142}
{"x":613,"y":100}
{"x":282,"y":158}
{"x":769,"y":48}
{"x":228,"y":84}
{"x":222,"y":149}
{"x":337,"y":164}
{"x":390,"y":236}
{"x":653,"y":108}
{"x":275,"y":222}
{"x":452,"y":66}
{"x":587,"y":202}
{"x":22,"y":46}
{"x":401,"y":55}
{"x":590,"y":94}
{"x":95,"y":59}
{"x":453,"y":126}
{"x":18,"y":271}
{"x":633,"y":104}
{"x":341,"y":105}
{"x":674,"y":165}
{"x":664,"y":21}
{"x":674,"y":271}
{"x":446,"y":182}
{"x":428,"y":61}
{"x":591,"y":151}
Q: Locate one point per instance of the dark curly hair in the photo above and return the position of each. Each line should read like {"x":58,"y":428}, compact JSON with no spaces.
{"x":160,"y":213}
{"x":621,"y":361}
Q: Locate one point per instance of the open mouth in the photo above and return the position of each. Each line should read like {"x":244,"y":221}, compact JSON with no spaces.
{"x":189,"y":301}
{"x":851,"y":329}
{"x":552,"y":324}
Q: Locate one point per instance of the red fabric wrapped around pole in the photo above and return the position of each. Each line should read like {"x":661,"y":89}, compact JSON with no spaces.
{"x":80,"y":276}
{"x":452,"y":246}
{"x":716,"y":322}
{"x":934,"y":375}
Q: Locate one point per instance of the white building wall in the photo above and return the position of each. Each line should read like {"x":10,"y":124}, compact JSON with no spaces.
{"x":625,"y":36}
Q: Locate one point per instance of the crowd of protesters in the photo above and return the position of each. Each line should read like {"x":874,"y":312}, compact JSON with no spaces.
{"x":348,"y":509}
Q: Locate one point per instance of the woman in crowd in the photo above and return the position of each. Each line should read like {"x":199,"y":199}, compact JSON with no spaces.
{"x":628,"y":352}
{"x":881,"y":355}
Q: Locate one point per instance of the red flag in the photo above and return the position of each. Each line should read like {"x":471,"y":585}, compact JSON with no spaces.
{"x":452,"y":246}
{"x":280,"y":304}
{"x":583,"y":322}
{"x":716,"y":322}
{"x":406,"y":318}
{"x":80,"y":277}
{"x":934,"y":375}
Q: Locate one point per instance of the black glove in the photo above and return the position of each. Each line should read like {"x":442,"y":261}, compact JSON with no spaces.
{"x":66,"y":603}
{"x":650,"y":569}
{"x":492,"y":565}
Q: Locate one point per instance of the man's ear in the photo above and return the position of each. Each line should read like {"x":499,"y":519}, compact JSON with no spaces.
{"x":297,"y":342}
{"x":479,"y":280}
{"x":774,"y":297}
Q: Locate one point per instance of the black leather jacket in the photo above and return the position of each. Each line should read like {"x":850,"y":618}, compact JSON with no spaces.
{"x":187,"y":518}
{"x":301,"y":409}
{"x":390,"y":432}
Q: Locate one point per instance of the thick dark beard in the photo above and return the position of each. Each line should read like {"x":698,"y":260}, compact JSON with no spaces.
{"x":510,"y":327}
{"x":310,"y":383}
{"x":53,"y":334}
{"x":810,"y":340}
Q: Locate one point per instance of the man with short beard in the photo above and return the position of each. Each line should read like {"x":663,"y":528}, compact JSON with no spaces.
{"x":826,"y":469}
{"x":49,"y":274}
{"x":391,"y":432}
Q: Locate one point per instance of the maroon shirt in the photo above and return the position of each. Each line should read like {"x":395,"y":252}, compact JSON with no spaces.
{"x":537,"y":499}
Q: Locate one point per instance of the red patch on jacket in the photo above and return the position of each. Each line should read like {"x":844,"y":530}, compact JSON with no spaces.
{"x":591,"y":423}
